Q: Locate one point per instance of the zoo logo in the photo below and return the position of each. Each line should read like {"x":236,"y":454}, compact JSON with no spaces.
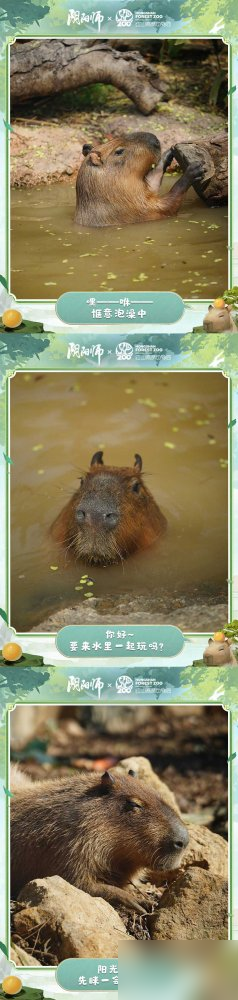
{"x":124,"y":18}
{"x":124,"y":351}
{"x":124,"y":684}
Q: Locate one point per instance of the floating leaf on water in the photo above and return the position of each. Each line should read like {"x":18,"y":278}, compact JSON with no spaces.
{"x":37,"y":447}
{"x":169,"y":444}
{"x":54,"y":568}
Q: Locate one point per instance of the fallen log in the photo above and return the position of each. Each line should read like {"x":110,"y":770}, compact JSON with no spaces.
{"x":213,"y":153}
{"x":47,"y":67}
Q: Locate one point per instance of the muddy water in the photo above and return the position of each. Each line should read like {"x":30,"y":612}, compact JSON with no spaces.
{"x":50,"y":255}
{"x":178,"y":422}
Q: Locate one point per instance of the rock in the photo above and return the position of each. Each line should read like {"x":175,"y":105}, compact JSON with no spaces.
{"x":195,"y":906}
{"x":208,"y":850}
{"x":143,"y":770}
{"x":21,"y":957}
{"x":74,"y":924}
{"x":213,"y":153}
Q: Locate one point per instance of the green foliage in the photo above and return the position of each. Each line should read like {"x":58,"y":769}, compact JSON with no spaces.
{"x":231,"y":297}
{"x":231,"y":630}
{"x":19,"y":12}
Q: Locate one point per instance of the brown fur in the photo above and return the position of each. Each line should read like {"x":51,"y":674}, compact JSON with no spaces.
{"x":121,"y":491}
{"x":116,"y":184}
{"x":218,"y":320}
{"x":95,"y":832}
{"x":218,"y":653}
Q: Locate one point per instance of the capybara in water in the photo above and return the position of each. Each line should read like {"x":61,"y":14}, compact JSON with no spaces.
{"x":118,"y":182}
{"x":110,"y":516}
{"x":94,"y":831}
{"x":219,"y":653}
{"x":218,"y":320}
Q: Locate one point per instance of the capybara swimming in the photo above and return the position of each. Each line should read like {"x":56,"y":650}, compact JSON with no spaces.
{"x":219,"y":653}
{"x":118,"y":182}
{"x":94,"y":831}
{"x":218,"y":320}
{"x":110,"y":516}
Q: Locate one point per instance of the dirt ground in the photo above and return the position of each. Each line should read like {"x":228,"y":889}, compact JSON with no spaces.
{"x":48,"y":135}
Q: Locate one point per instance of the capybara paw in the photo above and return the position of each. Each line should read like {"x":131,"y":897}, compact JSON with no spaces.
{"x":167,"y":158}
{"x":195,"y":171}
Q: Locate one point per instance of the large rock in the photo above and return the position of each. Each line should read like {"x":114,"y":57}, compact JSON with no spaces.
{"x":195,"y":906}
{"x":144,"y":771}
{"x":206,"y":850}
{"x":74,"y":924}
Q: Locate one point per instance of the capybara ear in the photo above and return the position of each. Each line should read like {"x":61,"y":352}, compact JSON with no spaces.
{"x":86,"y":148}
{"x":107,"y":780}
{"x":210,"y":307}
{"x":209,"y":641}
{"x":97,"y":458}
{"x":132,"y":773}
{"x":138,"y":463}
{"x":229,"y":308}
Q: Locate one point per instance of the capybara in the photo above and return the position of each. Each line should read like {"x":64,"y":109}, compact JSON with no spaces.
{"x":94,"y":831}
{"x":218,"y":320}
{"x":110,"y":516}
{"x":218,"y":653}
{"x":119,"y":180}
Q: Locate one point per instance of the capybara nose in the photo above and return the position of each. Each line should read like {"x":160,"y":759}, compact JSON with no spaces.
{"x":111,"y":519}
{"x":96,"y":516}
{"x":180,"y":837}
{"x":86,"y":148}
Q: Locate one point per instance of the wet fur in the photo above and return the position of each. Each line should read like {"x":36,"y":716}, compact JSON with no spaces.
{"x":141,"y":520}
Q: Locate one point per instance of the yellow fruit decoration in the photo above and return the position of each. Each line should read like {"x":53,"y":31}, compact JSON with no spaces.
{"x":219,"y":636}
{"x":11,"y":985}
{"x":11,"y":652}
{"x":12,"y":318}
{"x":219,"y":303}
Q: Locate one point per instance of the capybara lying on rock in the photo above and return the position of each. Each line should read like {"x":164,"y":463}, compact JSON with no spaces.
{"x":110,"y":516}
{"x":96,"y":832}
{"x":119,"y":180}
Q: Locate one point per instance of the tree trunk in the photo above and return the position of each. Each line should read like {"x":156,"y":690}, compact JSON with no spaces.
{"x":213,"y":152}
{"x":47,"y":67}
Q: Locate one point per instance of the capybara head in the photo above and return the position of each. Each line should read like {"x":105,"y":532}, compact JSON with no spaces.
{"x":133,"y":154}
{"x":142,"y":830}
{"x":218,"y":653}
{"x":110,"y":186}
{"x":111,"y":515}
{"x":217,"y":320}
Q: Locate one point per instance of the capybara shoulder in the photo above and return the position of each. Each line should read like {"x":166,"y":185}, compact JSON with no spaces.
{"x":111,"y":515}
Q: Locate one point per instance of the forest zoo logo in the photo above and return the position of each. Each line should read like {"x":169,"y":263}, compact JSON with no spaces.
{"x":124,"y":18}
{"x":124,"y":351}
{"x":124,"y":684}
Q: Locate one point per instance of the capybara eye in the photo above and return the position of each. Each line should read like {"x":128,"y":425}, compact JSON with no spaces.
{"x":134,"y":804}
{"x":118,"y":152}
{"x":136,"y":487}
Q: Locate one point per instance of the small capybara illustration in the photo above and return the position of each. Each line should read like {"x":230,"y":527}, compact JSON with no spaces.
{"x":111,"y":515}
{"x":119,"y":180}
{"x":94,"y":831}
{"x":219,"y":318}
{"x":219,"y":652}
